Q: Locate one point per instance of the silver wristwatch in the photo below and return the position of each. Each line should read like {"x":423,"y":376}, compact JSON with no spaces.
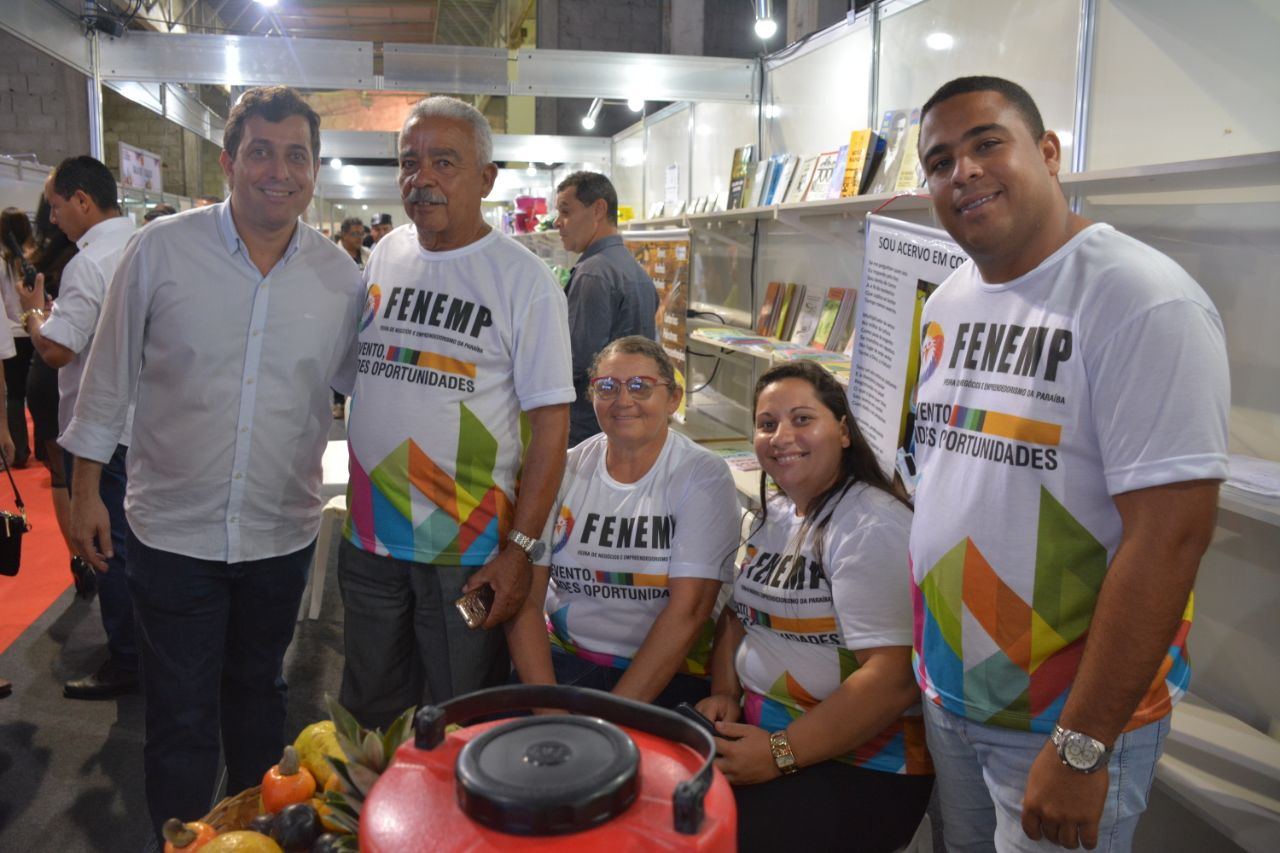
{"x":1079,"y":751}
{"x":533,"y":548}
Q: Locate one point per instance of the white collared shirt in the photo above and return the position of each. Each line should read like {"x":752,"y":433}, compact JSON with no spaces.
{"x":74,"y":317}
{"x":230,"y":373}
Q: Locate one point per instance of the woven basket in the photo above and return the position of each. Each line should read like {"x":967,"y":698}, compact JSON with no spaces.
{"x":234,"y":813}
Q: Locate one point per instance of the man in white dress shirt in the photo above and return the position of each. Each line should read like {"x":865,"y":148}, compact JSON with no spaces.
{"x":226,"y":327}
{"x":81,"y":193}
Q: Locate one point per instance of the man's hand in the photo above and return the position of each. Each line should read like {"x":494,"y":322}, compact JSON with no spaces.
{"x":6,"y":442}
{"x":90,"y":525}
{"x":30,"y":299}
{"x":747,"y":760}
{"x":1061,"y":805}
{"x":509,"y":574}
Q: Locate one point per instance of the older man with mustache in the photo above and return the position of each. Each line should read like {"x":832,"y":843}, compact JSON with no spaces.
{"x":463,"y":383}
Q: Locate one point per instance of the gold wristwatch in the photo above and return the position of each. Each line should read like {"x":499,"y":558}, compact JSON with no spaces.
{"x":780,"y":748}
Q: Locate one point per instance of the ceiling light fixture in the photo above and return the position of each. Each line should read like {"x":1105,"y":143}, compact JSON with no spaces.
{"x":765,"y":25}
{"x":531,"y":170}
{"x":589,"y":120}
{"x":267,"y":3}
{"x":636,"y":105}
{"x":335,"y":162}
{"x":939,"y":41}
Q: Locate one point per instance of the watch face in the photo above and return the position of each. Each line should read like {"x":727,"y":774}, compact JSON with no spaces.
{"x":537,"y":550}
{"x":1080,"y":751}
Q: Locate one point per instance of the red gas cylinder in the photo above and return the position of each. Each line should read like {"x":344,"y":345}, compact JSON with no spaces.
{"x":616,"y":775}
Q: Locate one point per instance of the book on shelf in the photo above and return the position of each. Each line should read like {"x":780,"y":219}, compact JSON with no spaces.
{"x":756,"y":183}
{"x":768,"y":308}
{"x":780,"y":316}
{"x":827,"y":319}
{"x":895,"y":128}
{"x":800,"y":183}
{"x":822,"y":171}
{"x":742,"y":158}
{"x":787,"y":322}
{"x":911,"y":175}
{"x":875,"y":154}
{"x":862,"y":146}
{"x":785,"y":175}
{"x":807,"y":317}
{"x":836,"y":183}
{"x":844,"y":321}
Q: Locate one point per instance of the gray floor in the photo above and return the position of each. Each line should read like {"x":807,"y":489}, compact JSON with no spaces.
{"x":71,"y":771}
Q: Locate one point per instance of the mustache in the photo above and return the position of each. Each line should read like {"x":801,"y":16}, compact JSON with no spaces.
{"x":422,"y":195}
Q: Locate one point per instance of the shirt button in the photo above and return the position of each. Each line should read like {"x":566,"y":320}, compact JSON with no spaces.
{"x":244,"y":429}
{"x":235,"y":518}
{"x":249,"y":381}
{"x":256,"y":332}
{"x":238,"y":476}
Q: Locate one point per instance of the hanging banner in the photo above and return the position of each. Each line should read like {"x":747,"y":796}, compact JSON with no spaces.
{"x":904,"y":263}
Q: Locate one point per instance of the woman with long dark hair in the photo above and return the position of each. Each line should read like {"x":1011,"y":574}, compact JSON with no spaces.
{"x":17,"y":245}
{"x":815,"y":655}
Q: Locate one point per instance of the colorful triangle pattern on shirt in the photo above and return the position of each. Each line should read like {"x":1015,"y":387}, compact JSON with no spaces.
{"x":1022,"y":657}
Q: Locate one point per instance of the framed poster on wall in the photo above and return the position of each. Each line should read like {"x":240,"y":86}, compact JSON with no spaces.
{"x":140,"y":169}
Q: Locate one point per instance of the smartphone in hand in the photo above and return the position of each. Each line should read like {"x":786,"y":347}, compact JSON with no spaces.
{"x":684,"y":709}
{"x":474,"y":606}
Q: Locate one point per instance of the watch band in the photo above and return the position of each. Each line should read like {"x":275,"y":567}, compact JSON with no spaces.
{"x":31,"y":312}
{"x":780,"y":748}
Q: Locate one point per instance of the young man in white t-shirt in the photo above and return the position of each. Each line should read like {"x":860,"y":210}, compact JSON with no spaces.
{"x":463,"y":355}
{"x":1071,"y":435}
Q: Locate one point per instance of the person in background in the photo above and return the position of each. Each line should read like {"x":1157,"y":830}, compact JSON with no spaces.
{"x":642,"y":511}
{"x":351,"y":239}
{"x":815,"y":653}
{"x":379,"y":227}
{"x":463,"y":384}
{"x":17,"y":244}
{"x":206,"y":200}
{"x":610,"y":295}
{"x":1074,"y":394}
{"x":81,"y":193}
{"x":158,"y":211}
{"x":225,"y":326}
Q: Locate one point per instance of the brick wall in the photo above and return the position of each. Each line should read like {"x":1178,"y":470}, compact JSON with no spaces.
{"x":44,"y":104}
{"x":185,"y":158}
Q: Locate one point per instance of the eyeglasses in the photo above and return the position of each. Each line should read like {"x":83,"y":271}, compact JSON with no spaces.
{"x":638,"y":387}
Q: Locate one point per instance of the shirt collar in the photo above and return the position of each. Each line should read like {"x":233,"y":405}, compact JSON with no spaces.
{"x":600,"y":245}
{"x":102,"y":229}
{"x":231,"y":238}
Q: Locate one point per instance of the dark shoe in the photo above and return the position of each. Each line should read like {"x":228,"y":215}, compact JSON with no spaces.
{"x":103,"y":684}
{"x":6,"y":687}
{"x":86,"y":579}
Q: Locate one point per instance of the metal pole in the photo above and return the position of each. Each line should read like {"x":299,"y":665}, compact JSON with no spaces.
{"x":874,"y":99}
{"x":94,"y":85}
{"x":1084,"y":82}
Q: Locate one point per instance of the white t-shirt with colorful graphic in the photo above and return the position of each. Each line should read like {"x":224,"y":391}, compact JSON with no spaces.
{"x":614,"y":545}
{"x":453,"y":346}
{"x":806,"y":615}
{"x":1101,"y":371}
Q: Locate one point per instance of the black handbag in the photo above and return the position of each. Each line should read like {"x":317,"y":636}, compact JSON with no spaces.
{"x":12,"y":527}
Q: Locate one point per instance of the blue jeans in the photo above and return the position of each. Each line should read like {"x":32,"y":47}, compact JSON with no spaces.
{"x":577,"y":672}
{"x":982,"y":774}
{"x":113,"y":585}
{"x":212,"y":637}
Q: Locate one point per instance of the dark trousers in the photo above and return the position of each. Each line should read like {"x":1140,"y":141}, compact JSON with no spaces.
{"x":15,"y":384}
{"x":576,"y":672}
{"x":213,"y":637}
{"x":113,"y":586}
{"x":831,"y":807}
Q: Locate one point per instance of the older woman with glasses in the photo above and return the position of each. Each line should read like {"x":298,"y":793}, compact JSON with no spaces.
{"x":643,"y":535}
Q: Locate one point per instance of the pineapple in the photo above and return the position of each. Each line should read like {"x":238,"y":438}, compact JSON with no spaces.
{"x":367,"y":754}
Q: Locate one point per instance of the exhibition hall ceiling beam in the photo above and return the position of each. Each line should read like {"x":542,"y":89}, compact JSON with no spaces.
{"x":331,"y":64}
{"x":519,"y":148}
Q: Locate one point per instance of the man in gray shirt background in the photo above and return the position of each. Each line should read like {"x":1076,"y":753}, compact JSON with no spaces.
{"x":610,"y":295}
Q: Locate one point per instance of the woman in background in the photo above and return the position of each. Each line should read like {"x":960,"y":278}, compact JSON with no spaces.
{"x":17,"y":244}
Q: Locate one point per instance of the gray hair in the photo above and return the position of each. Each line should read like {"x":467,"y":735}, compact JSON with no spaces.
{"x":442,"y":106}
{"x":639,"y":345}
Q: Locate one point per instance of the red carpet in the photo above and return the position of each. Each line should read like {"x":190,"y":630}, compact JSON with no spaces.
{"x":45,"y":574}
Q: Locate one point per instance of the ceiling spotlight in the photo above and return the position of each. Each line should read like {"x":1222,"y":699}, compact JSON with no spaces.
{"x":349,"y":175}
{"x":335,"y":162}
{"x":589,"y":120}
{"x":636,"y":105}
{"x":364,"y":207}
{"x":531,"y":170}
{"x":765,"y":25}
{"x":267,"y":3}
